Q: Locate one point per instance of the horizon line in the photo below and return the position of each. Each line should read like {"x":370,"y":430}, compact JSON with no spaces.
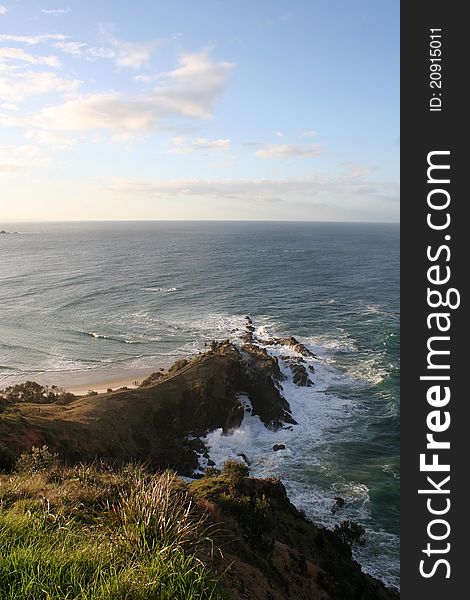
{"x":28,"y":220}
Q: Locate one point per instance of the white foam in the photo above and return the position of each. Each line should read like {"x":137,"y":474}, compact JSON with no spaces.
{"x":368,"y":369}
{"x":375,"y":556}
{"x":303,"y":464}
{"x":98,"y":335}
{"x":377,"y":309}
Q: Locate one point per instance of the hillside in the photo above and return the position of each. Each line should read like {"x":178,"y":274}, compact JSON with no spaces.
{"x":260,"y":545}
{"x":98,"y":532}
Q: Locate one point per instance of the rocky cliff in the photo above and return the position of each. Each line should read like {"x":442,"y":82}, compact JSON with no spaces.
{"x":274,"y":552}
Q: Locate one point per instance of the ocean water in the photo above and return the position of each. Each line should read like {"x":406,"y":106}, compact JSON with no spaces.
{"x":98,"y":296}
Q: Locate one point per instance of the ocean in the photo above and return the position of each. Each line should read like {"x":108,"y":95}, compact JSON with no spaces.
{"x":90,"y":296}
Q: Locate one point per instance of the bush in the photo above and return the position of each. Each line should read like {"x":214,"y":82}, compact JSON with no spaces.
{"x":157,"y":513}
{"x":39,"y":459}
{"x":178,"y":365}
{"x":212,"y":472}
{"x":48,"y":550}
{"x":350,"y":533}
{"x":152,"y":378}
{"x":31,"y":391}
{"x":235,"y":471}
{"x":7,"y":459}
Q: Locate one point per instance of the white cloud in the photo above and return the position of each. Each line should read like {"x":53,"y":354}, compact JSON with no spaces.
{"x":147,"y":79}
{"x":288,"y":151}
{"x":17,"y":54}
{"x":51,"y":139}
{"x":355,"y":170}
{"x":18,"y":86}
{"x":108,"y":111}
{"x":13,"y":158}
{"x":100,"y":52}
{"x":3,"y":10}
{"x":74,"y":48}
{"x":189,"y":91}
{"x":55,"y":11}
{"x":19,"y":80}
{"x":32,"y":40}
{"x":317,"y":196}
{"x":195,"y":85}
{"x":181,"y":146}
{"x":308,"y":133}
{"x":133,"y":55}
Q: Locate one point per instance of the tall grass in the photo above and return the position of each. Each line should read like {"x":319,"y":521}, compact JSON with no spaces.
{"x":83,"y":534}
{"x":157,"y":513}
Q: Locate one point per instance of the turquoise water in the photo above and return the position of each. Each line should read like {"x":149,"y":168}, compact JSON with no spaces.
{"x":95,"y":296}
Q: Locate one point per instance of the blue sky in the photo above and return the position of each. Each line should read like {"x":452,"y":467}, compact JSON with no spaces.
{"x":206,"y":109}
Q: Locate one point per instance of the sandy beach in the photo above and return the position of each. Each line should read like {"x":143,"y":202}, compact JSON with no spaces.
{"x":100,"y":382}
{"x":82,"y":382}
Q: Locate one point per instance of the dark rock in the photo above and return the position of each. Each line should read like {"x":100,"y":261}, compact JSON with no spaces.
{"x":290,"y":342}
{"x":279,"y":554}
{"x":297,"y":346}
{"x":277,"y":447}
{"x":261,"y":381}
{"x":234,"y":419}
{"x":299,"y":372}
{"x":242,"y":455}
{"x":210,"y":463}
{"x":339,"y":503}
{"x":156,"y":420}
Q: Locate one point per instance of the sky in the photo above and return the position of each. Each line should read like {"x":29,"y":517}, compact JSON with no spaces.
{"x":199,"y":109}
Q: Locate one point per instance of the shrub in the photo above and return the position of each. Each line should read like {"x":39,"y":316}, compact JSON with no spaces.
{"x":31,"y":391}
{"x":7,"y":459}
{"x":178,"y":365}
{"x":157,"y":513}
{"x":46,"y":553}
{"x":211,"y":472}
{"x":350,"y":533}
{"x":39,"y":459}
{"x":235,"y":471}
{"x":152,"y":378}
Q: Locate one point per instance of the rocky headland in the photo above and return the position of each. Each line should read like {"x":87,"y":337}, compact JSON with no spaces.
{"x":275,"y":552}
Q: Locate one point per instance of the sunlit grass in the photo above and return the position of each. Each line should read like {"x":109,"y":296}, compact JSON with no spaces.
{"x":87,"y":533}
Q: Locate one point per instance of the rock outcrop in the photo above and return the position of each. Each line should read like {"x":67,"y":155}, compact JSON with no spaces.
{"x":299,"y":370}
{"x":159,"y":422}
{"x":274,"y":552}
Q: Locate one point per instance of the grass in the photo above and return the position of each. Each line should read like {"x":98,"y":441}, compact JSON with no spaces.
{"x":90,"y":532}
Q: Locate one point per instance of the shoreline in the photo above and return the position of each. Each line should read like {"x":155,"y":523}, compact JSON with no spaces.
{"x":99,"y":380}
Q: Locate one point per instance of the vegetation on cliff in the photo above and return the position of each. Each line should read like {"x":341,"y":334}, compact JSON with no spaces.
{"x":98,"y":532}
{"x":102,"y":525}
{"x":91,"y":532}
{"x":157,"y":422}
